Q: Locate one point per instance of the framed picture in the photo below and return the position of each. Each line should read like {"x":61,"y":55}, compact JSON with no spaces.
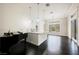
{"x":54,"y":27}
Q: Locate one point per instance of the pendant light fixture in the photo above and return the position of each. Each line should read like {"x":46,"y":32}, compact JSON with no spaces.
{"x":37,"y":12}
{"x":29,"y":12}
{"x":47,"y":4}
{"x":30,"y":17}
{"x":37,"y":19}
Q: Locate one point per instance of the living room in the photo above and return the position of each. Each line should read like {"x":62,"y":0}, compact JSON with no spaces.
{"x":39,"y":28}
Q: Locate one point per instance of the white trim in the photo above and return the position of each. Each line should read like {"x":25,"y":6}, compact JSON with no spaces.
{"x":57,"y":34}
{"x":75,"y":41}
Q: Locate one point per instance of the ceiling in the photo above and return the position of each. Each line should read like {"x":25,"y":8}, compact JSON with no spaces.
{"x":44,"y":10}
{"x":50,"y":11}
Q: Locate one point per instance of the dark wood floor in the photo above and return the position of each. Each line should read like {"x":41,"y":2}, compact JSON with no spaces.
{"x":54,"y":45}
{"x":61,"y":46}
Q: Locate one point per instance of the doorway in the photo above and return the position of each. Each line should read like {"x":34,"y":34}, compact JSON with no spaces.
{"x":73,"y":29}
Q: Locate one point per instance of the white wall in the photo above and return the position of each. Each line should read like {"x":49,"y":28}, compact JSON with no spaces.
{"x":1,"y":19}
{"x":73,"y":10}
{"x":14,"y":17}
{"x":78,"y":24}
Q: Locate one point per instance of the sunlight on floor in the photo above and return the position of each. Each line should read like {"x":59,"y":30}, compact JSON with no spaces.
{"x":54,"y":44}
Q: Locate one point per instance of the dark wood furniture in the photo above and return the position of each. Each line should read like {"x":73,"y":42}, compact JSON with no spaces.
{"x":8,"y":43}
